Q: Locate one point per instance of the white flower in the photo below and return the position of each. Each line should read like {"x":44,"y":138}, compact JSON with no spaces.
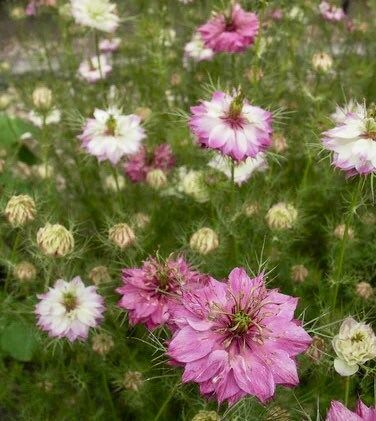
{"x":339,"y":116}
{"x":353,"y":140}
{"x":111,"y":135}
{"x":242,"y":170}
{"x":52,"y":117}
{"x":98,"y":14}
{"x":196,"y":50}
{"x":69,"y":309}
{"x":355,"y":344}
{"x":93,"y":69}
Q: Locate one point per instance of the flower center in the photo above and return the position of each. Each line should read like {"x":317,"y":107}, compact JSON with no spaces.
{"x":69,"y":301}
{"x":358,"y":337}
{"x":163,"y":279}
{"x":234,"y":116}
{"x":240,"y":322}
{"x":111,"y":126}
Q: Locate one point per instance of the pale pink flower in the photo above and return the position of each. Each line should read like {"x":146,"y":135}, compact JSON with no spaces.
{"x":109,"y":45}
{"x":231,"y":125}
{"x":196,"y":50}
{"x":338,"y":412}
{"x":110,"y":135}
{"x":149,"y":292}
{"x":331,"y":12}
{"x":237,"y":338}
{"x":69,"y":309}
{"x":231,"y":34}
{"x":139,"y":165}
{"x":93,"y":70}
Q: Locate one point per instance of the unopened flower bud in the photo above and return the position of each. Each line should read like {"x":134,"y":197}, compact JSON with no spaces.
{"x":299,"y":273}
{"x":322,"y":62}
{"x":55,"y":240}
{"x":204,"y":241}
{"x":206,"y":416}
{"x":193,"y":185}
{"x":279,"y":143}
{"x":281,"y":216}
{"x":42,"y":98}
{"x":132,"y":380}
{"x":102,"y":343}
{"x":175,"y":79}
{"x":110,"y":183}
{"x":5,"y":100}
{"x":156,"y":179}
{"x":122,"y":235}
{"x":143,"y":112}
{"x":316,"y":350}
{"x":278,"y":413}
{"x":20,"y":210}
{"x":339,"y":232}
{"x":99,"y":275}
{"x":364,"y":290}
{"x":17,"y":13}
{"x":141,"y":220}
{"x":250,"y":209}
{"x":25,"y":271}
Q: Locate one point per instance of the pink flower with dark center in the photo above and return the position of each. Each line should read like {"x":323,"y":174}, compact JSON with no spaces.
{"x":138,"y":165}
{"x":237,"y":338}
{"x":149,"y":292}
{"x":330,"y":12}
{"x":230,"y":34}
{"x":231,"y":125}
{"x":338,"y":412}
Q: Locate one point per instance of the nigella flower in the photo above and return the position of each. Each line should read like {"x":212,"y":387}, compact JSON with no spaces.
{"x":231,"y":33}
{"x":109,"y":45}
{"x":110,"y":135}
{"x":196,"y":50}
{"x":353,"y":140}
{"x":149,"y":292}
{"x":237,"y":338}
{"x":338,"y":412}
{"x":69,"y":309}
{"x":330,"y":12}
{"x":233,"y":126}
{"x":139,"y":165}
{"x":97,"y":14}
{"x":94,"y":69}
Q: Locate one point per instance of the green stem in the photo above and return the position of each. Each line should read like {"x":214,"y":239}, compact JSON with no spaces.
{"x":347,"y":390}
{"x":96,"y":40}
{"x":165,"y":403}
{"x":108,"y":395}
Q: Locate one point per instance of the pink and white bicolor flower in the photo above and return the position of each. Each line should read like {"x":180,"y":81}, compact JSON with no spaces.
{"x":231,"y":125}
{"x":69,"y":309}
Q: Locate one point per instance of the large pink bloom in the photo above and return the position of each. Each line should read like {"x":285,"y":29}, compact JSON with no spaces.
{"x":149,"y":292}
{"x":338,"y":412}
{"x":232,"y":125}
{"x":138,"y":165}
{"x":238,"y":338}
{"x":231,"y":34}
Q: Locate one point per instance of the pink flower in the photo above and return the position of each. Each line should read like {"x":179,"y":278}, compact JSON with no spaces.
{"x":231,"y":34}
{"x":138,"y":165}
{"x":237,"y":338}
{"x":330,"y":12}
{"x":149,"y":292}
{"x":231,"y":125}
{"x":109,"y":45}
{"x":93,"y":70}
{"x":69,"y":309}
{"x":338,"y":412}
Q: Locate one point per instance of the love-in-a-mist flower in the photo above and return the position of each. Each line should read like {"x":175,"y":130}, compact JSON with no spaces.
{"x":69,"y":309}
{"x":97,"y":14}
{"x":355,"y":344}
{"x":110,"y":135}
{"x":339,"y":412}
{"x":109,"y":45}
{"x":231,"y":125}
{"x":238,"y":338}
{"x":196,"y":50}
{"x":330,"y":12}
{"x":353,"y":140}
{"x":230,"y":32}
{"x":149,"y":292}
{"x":93,"y":69}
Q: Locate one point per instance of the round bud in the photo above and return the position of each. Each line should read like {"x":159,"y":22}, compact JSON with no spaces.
{"x":132,"y":380}
{"x":250,"y":209}
{"x":99,"y":275}
{"x":102,"y":343}
{"x":25,"y":271}
{"x":20,"y":210}
{"x":193,"y":185}
{"x":299,"y":273}
{"x":279,"y":143}
{"x":156,"y":179}
{"x":42,"y":98}
{"x":206,"y":416}
{"x":110,"y":183}
{"x":281,"y":216}
{"x":141,"y":220}
{"x":317,"y":349}
{"x":364,"y":290}
{"x":55,"y":240}
{"x":322,"y":62}
{"x":5,"y":100}
{"x":143,"y":112}
{"x":339,"y":232}
{"x":204,"y":241}
{"x":122,"y":235}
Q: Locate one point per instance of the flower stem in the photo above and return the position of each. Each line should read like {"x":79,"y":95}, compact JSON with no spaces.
{"x":347,"y":390}
{"x":96,"y":41}
{"x":167,"y":400}
{"x":108,"y":395}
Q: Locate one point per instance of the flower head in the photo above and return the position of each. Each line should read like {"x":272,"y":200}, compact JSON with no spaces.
{"x":69,"y":309}
{"x":353,"y":140}
{"x":149,"y":292}
{"x":338,"y":412}
{"x":237,"y":338}
{"x":232,"y":33}
{"x":355,"y":344}
{"x":94,"y":69}
{"x":110,"y":135}
{"x":20,"y":210}
{"x":330,"y":12}
{"x":97,"y":14}
{"x":55,"y":240}
{"x":231,"y":125}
